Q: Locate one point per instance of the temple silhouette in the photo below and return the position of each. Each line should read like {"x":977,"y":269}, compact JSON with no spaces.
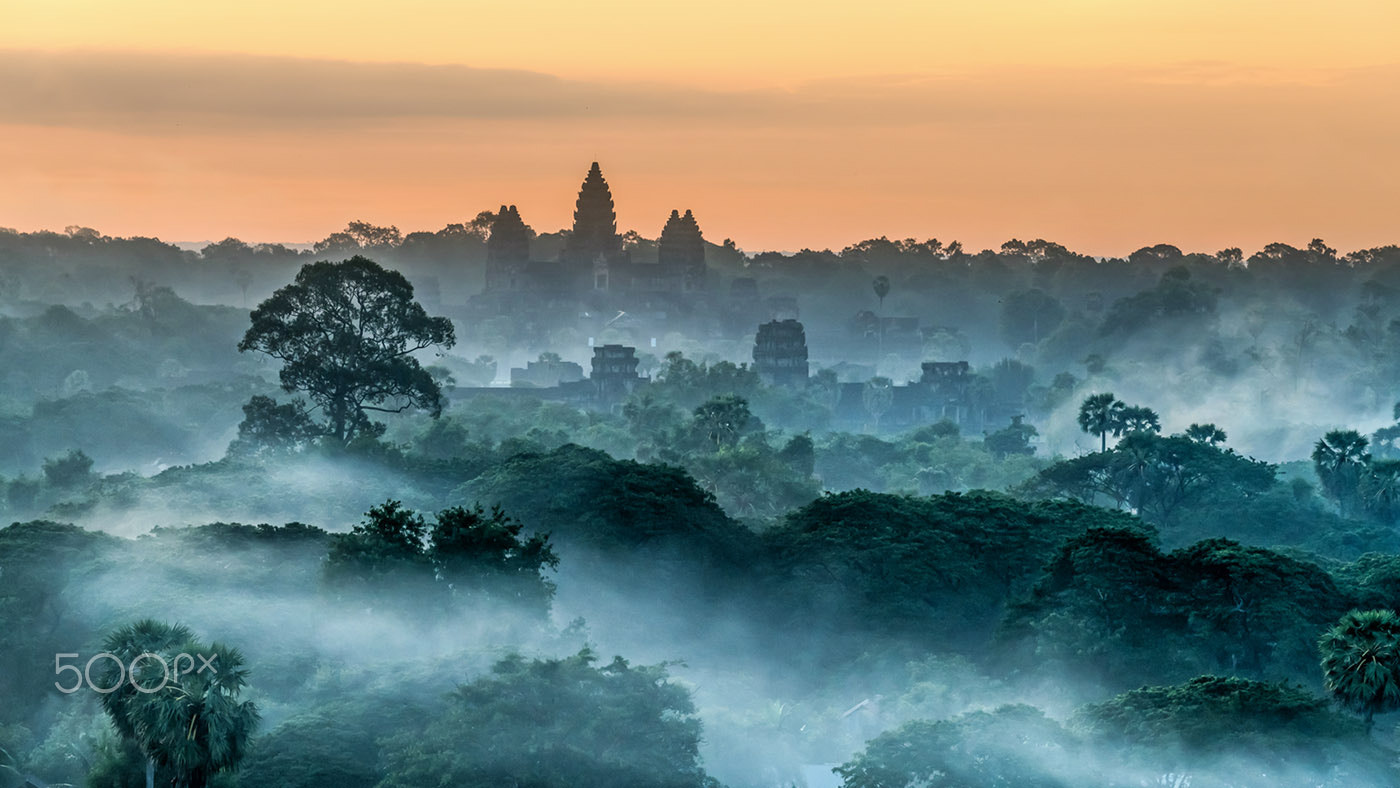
{"x":589,"y":284}
{"x":593,"y":258}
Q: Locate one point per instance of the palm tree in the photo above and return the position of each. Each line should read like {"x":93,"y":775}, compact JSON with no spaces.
{"x":1339,"y":448}
{"x":1379,"y":489}
{"x":723,"y":419}
{"x":180,"y":702}
{"x":1339,"y":459}
{"x":1206,"y":433}
{"x":881,"y":286}
{"x":1101,"y":414}
{"x":1137,"y":418}
{"x":1361,"y":662}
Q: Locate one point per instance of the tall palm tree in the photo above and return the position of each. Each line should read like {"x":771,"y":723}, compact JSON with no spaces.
{"x":1101,"y":414}
{"x":1339,"y":459}
{"x":881,"y":286}
{"x":1361,"y":662}
{"x":180,"y":702}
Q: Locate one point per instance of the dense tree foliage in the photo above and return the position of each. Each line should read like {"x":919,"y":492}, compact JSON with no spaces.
{"x":932,"y":568}
{"x":557,"y":722}
{"x":345,"y":334}
{"x":1011,"y":746}
{"x":470,"y":552}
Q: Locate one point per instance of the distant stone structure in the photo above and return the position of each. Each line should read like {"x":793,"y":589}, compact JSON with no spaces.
{"x":682,"y":249}
{"x":614,"y":373}
{"x":780,"y":353}
{"x":546,"y":373}
{"x":507,"y":251}
{"x":593,"y":259}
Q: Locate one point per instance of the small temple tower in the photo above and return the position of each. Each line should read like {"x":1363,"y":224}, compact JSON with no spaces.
{"x":594,"y":242}
{"x":780,"y":353}
{"x":507,"y":250}
{"x":682,"y":248}
{"x":614,"y":372}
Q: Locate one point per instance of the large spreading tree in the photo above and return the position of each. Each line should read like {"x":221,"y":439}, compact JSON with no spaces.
{"x":346,"y":333}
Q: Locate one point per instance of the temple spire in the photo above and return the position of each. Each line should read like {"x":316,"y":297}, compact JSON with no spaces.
{"x":594,"y":233}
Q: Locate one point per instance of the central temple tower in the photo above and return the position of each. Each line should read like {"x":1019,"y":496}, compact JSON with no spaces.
{"x":594,"y":241}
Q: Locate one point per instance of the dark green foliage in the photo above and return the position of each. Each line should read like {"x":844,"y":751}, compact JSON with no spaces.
{"x":1011,"y":747}
{"x":1176,"y":297}
{"x":1100,"y":612}
{"x":269,"y":428}
{"x":556,"y":723}
{"x":584,"y":497}
{"x":1361,"y":662}
{"x":387,"y":545}
{"x":1015,"y":438}
{"x":686,"y":384}
{"x":1029,"y":316}
{"x":930,"y":568}
{"x":38,"y":562}
{"x":71,"y":470}
{"x":1161,"y":477}
{"x":1372,"y":581}
{"x":800,"y":455}
{"x":315,"y":750}
{"x":479,"y":551}
{"x":1277,"y":734}
{"x":345,"y":333}
{"x":1206,"y":433}
{"x":1253,"y":608}
{"x":722,"y":421}
{"x":1112,"y":609}
{"x":466,"y":553}
{"x":1137,"y":418}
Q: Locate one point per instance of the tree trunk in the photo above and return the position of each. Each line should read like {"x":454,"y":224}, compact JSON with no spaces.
{"x":150,"y":772}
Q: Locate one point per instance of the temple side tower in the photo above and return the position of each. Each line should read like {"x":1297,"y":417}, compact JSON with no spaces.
{"x":507,"y":250}
{"x":683,"y":248}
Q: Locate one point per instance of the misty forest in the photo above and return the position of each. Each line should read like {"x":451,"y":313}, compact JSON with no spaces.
{"x":498,"y":506}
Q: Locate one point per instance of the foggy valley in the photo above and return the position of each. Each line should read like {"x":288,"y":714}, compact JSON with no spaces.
{"x":489,"y":505}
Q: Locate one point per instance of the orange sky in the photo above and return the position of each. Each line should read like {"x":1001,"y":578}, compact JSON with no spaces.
{"x":1102,"y":124}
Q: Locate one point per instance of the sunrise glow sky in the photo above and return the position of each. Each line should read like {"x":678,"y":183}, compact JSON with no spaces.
{"x":1105,"y":125}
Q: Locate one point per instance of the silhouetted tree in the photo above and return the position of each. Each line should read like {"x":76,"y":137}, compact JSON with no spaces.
{"x":881,"y":285}
{"x":345,"y":334}
{"x":1101,"y":414}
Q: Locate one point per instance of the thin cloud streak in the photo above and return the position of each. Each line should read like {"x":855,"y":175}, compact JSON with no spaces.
{"x":155,"y":91}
